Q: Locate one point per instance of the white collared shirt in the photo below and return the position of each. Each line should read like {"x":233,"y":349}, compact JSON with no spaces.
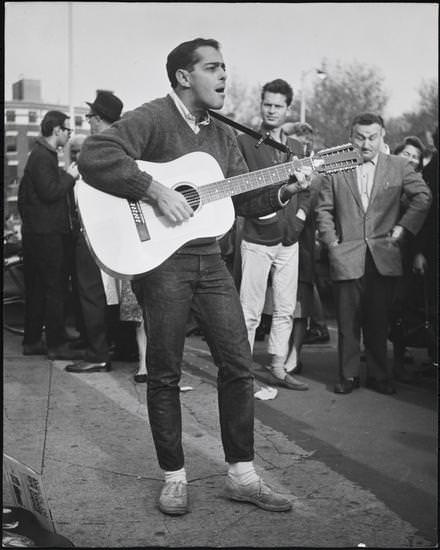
{"x":365,"y":179}
{"x":189,"y":118}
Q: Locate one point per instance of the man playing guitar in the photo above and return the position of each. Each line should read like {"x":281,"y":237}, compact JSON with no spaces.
{"x":194,"y":278}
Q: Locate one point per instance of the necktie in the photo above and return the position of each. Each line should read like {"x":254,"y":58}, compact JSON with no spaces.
{"x":366,"y":182}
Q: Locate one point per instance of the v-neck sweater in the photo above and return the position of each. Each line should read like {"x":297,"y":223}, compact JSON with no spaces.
{"x":157,"y":132}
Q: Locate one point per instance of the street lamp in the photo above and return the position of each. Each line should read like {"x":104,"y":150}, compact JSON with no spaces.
{"x":322,"y":75}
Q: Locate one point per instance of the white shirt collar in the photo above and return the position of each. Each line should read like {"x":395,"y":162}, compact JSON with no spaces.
{"x":187,"y":115}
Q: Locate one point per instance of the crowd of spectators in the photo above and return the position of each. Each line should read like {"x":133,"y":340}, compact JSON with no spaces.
{"x":304,"y":319}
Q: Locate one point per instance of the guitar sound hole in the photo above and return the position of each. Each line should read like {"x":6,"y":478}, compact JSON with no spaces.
{"x":191,"y":195}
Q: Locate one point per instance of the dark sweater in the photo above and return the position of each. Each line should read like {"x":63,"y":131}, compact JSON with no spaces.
{"x":43,"y":192}
{"x":284,"y":227}
{"x":157,"y":132}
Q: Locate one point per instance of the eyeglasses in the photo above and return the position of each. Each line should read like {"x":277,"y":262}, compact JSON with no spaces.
{"x":66,"y":129}
{"x":90,"y":116}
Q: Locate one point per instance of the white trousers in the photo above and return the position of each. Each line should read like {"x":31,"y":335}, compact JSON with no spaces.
{"x":258,"y":261}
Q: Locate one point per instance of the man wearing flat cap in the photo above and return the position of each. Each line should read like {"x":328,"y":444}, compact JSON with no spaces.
{"x":105,"y":110}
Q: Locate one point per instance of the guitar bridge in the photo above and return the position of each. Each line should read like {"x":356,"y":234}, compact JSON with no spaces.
{"x":139,"y":220}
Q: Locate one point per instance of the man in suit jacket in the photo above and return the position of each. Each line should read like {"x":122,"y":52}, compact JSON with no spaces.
{"x":360,"y":221}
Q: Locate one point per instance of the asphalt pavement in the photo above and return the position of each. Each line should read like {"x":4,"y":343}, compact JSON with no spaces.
{"x":359,"y":469}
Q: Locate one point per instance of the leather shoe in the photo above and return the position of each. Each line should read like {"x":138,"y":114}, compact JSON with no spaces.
{"x":89,"y":366}
{"x":63,"y":352}
{"x":39,"y":348}
{"x":140,"y":378}
{"x":347,"y":385}
{"x":292,"y":383}
{"x":381,"y":386}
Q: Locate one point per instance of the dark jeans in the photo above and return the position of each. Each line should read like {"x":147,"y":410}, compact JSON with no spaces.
{"x":364,"y":304}
{"x":203,"y":285}
{"x":45,"y":259}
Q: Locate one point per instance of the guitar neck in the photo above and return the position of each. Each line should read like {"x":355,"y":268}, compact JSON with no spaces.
{"x":252,"y":180}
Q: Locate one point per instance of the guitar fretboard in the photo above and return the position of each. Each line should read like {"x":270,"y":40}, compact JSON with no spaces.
{"x":252,"y":180}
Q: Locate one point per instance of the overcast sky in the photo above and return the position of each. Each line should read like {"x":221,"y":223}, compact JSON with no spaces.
{"x":123,"y":46}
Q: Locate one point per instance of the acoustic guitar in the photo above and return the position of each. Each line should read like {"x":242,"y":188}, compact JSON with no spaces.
{"x":130,"y":238}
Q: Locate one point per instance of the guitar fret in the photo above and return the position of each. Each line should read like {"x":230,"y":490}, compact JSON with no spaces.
{"x":249,"y":181}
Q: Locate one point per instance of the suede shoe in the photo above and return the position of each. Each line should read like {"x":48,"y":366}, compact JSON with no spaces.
{"x":173,"y":498}
{"x":257,"y":493}
{"x":89,"y":366}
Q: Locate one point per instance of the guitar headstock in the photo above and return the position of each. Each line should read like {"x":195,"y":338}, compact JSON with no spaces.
{"x":336,"y":159}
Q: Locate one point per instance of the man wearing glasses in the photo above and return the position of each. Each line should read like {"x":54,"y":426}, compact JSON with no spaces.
{"x":46,"y":230}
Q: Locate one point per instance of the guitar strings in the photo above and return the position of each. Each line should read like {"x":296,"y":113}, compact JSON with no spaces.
{"x":213,"y":190}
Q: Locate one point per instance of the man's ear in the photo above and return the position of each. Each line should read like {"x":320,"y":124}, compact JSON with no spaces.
{"x":183,"y":78}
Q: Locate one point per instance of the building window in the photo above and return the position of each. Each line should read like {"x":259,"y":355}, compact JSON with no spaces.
{"x":11,"y":144}
{"x":10,"y":116}
{"x":78,"y":121}
{"x":11,"y":175}
{"x":33,"y":117}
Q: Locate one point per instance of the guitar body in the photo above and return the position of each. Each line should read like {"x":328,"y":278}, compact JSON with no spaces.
{"x":129,"y":238}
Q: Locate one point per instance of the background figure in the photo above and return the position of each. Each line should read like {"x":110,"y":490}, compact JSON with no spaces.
{"x":425,"y":255}
{"x":303,"y":133}
{"x":75,"y":145}
{"x":317,"y":330}
{"x":131,"y":311}
{"x":360,"y":221}
{"x":95,"y":288}
{"x":43,"y":202}
{"x":306,"y":285}
{"x":270,"y":243}
{"x":413,"y":150}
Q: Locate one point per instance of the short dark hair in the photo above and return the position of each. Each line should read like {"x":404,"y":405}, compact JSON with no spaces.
{"x":278,"y":86}
{"x":50,"y":120}
{"x":185,"y":56}
{"x":365,"y":119}
{"x":415,"y":142}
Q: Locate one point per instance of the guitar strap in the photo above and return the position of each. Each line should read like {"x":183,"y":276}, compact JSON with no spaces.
{"x":261,"y":138}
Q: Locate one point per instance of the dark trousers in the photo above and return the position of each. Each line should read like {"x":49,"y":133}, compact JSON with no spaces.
{"x":45,"y":259}
{"x":93,"y":302}
{"x":203,"y":285}
{"x":364,"y":304}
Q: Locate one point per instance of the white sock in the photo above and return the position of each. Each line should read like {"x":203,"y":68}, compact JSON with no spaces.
{"x":243,"y":472}
{"x":177,"y":475}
